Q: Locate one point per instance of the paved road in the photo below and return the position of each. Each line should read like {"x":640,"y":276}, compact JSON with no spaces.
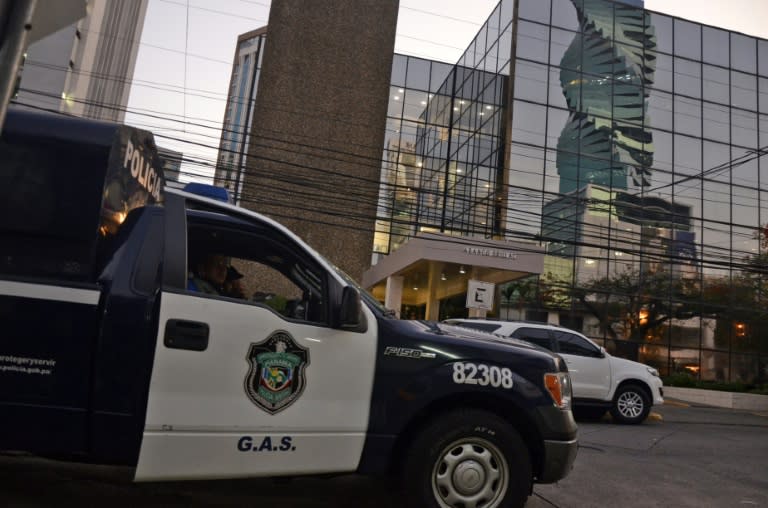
{"x":694,"y":457}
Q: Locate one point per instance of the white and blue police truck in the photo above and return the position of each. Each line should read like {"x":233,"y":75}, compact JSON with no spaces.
{"x":109,"y":355}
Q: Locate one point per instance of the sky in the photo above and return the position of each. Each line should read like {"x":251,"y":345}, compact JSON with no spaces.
{"x":187,"y":47}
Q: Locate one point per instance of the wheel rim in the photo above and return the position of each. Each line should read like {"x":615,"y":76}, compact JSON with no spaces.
{"x":630,"y":404}
{"x":470,"y":473}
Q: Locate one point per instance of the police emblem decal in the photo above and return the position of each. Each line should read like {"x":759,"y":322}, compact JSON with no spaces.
{"x":276,"y":375}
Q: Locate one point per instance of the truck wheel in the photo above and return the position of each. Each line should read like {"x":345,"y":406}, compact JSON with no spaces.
{"x":631,"y":405}
{"x":467,"y":459}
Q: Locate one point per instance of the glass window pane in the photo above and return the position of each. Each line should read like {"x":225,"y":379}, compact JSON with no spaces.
{"x":687,"y":116}
{"x":762,"y":47}
{"x":763,"y":94}
{"x":744,"y":368}
{"x":561,"y":41}
{"x":532,"y":41}
{"x":685,"y":360}
{"x":714,"y":366}
{"x":531,"y":81}
{"x":395,"y":101}
{"x":743,"y":53}
{"x":744,"y":129}
{"x":564,"y":14}
{"x":716,"y":126}
{"x":687,"y":39}
{"x":440,"y":72}
{"x":716,"y":43}
{"x":687,"y":77}
{"x":743,"y":90}
{"x":528,"y":122}
{"x":663,"y":75}
{"x":687,"y":156}
{"x":716,"y":84}
{"x":417,"y":75}
{"x":556,"y":93}
{"x":507,"y":12}
{"x":663,"y":26}
{"x":534,"y":10}
{"x":399,"y":63}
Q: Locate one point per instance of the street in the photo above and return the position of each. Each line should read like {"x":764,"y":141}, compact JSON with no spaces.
{"x":690,"y":457}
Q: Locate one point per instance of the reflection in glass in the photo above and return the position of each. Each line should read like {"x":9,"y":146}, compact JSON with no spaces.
{"x":603,"y":144}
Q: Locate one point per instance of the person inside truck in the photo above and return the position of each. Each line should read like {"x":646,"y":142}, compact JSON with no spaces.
{"x":233,"y":287}
{"x":209,"y":275}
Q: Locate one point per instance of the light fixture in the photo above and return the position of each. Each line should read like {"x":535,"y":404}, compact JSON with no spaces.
{"x":489,"y":107}
{"x":443,"y":277}
{"x":400,"y":90}
{"x":423,"y":103}
{"x":415,"y":288}
{"x":462,"y":270}
{"x":396,"y":97}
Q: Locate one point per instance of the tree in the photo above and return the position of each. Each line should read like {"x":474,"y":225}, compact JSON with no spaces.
{"x":633,"y":304}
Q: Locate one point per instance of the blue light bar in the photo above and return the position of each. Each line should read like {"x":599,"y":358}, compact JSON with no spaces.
{"x":208,"y":191}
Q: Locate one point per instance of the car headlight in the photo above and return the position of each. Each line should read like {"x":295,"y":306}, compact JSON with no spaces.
{"x":652,"y":371}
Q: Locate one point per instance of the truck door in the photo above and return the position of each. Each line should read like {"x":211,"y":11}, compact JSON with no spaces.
{"x":255,"y":382}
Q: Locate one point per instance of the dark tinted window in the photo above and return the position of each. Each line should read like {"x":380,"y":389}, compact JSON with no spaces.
{"x":538,"y":336}
{"x":571,"y":344}
{"x":49,"y":208}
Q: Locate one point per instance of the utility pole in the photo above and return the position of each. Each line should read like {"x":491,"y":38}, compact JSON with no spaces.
{"x":22,"y":23}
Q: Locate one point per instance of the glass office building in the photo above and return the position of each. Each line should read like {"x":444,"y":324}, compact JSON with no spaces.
{"x":627,"y":143}
{"x":238,"y":114}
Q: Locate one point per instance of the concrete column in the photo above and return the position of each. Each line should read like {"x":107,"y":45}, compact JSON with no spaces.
{"x":318,"y":125}
{"x":393,"y":298}
{"x":433,"y":304}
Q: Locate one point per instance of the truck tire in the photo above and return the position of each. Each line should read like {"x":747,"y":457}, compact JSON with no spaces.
{"x":631,"y":405}
{"x":467,"y":459}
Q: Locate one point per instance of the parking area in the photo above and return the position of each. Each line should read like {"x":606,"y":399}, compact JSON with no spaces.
{"x":688,"y":457}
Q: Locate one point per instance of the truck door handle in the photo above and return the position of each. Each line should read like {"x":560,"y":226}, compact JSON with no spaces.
{"x":182,"y":334}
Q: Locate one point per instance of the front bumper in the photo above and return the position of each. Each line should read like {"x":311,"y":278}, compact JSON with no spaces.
{"x":558,"y":460}
{"x":658,"y":391}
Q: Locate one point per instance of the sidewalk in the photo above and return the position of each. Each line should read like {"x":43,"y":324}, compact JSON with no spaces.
{"x":729,"y":400}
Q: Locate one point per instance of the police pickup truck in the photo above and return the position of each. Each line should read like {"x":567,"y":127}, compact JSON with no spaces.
{"x":107,"y":354}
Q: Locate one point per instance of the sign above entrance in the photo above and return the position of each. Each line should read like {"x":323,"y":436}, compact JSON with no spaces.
{"x":480,"y":295}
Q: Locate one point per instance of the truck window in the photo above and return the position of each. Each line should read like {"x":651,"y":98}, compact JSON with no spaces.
{"x":538,"y":336}
{"x":255,"y":267}
{"x":572,"y":344}
{"x":48,"y":207}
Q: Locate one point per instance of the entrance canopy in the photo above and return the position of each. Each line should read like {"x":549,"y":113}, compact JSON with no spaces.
{"x":432,"y":267}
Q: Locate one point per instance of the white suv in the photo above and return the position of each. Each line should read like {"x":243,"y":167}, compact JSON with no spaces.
{"x":600,"y":381}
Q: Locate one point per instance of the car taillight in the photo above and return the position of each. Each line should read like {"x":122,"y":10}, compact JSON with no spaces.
{"x":559,"y":387}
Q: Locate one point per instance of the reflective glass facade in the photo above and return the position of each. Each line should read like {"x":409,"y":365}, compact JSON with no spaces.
{"x":238,"y":116}
{"x":626,"y":142}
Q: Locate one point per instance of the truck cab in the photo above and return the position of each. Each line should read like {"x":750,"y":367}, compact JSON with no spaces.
{"x":112,"y":353}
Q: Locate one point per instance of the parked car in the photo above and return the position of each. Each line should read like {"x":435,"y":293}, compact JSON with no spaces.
{"x":601,"y":382}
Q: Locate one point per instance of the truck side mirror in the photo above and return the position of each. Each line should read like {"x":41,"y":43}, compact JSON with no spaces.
{"x":350,"y":309}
